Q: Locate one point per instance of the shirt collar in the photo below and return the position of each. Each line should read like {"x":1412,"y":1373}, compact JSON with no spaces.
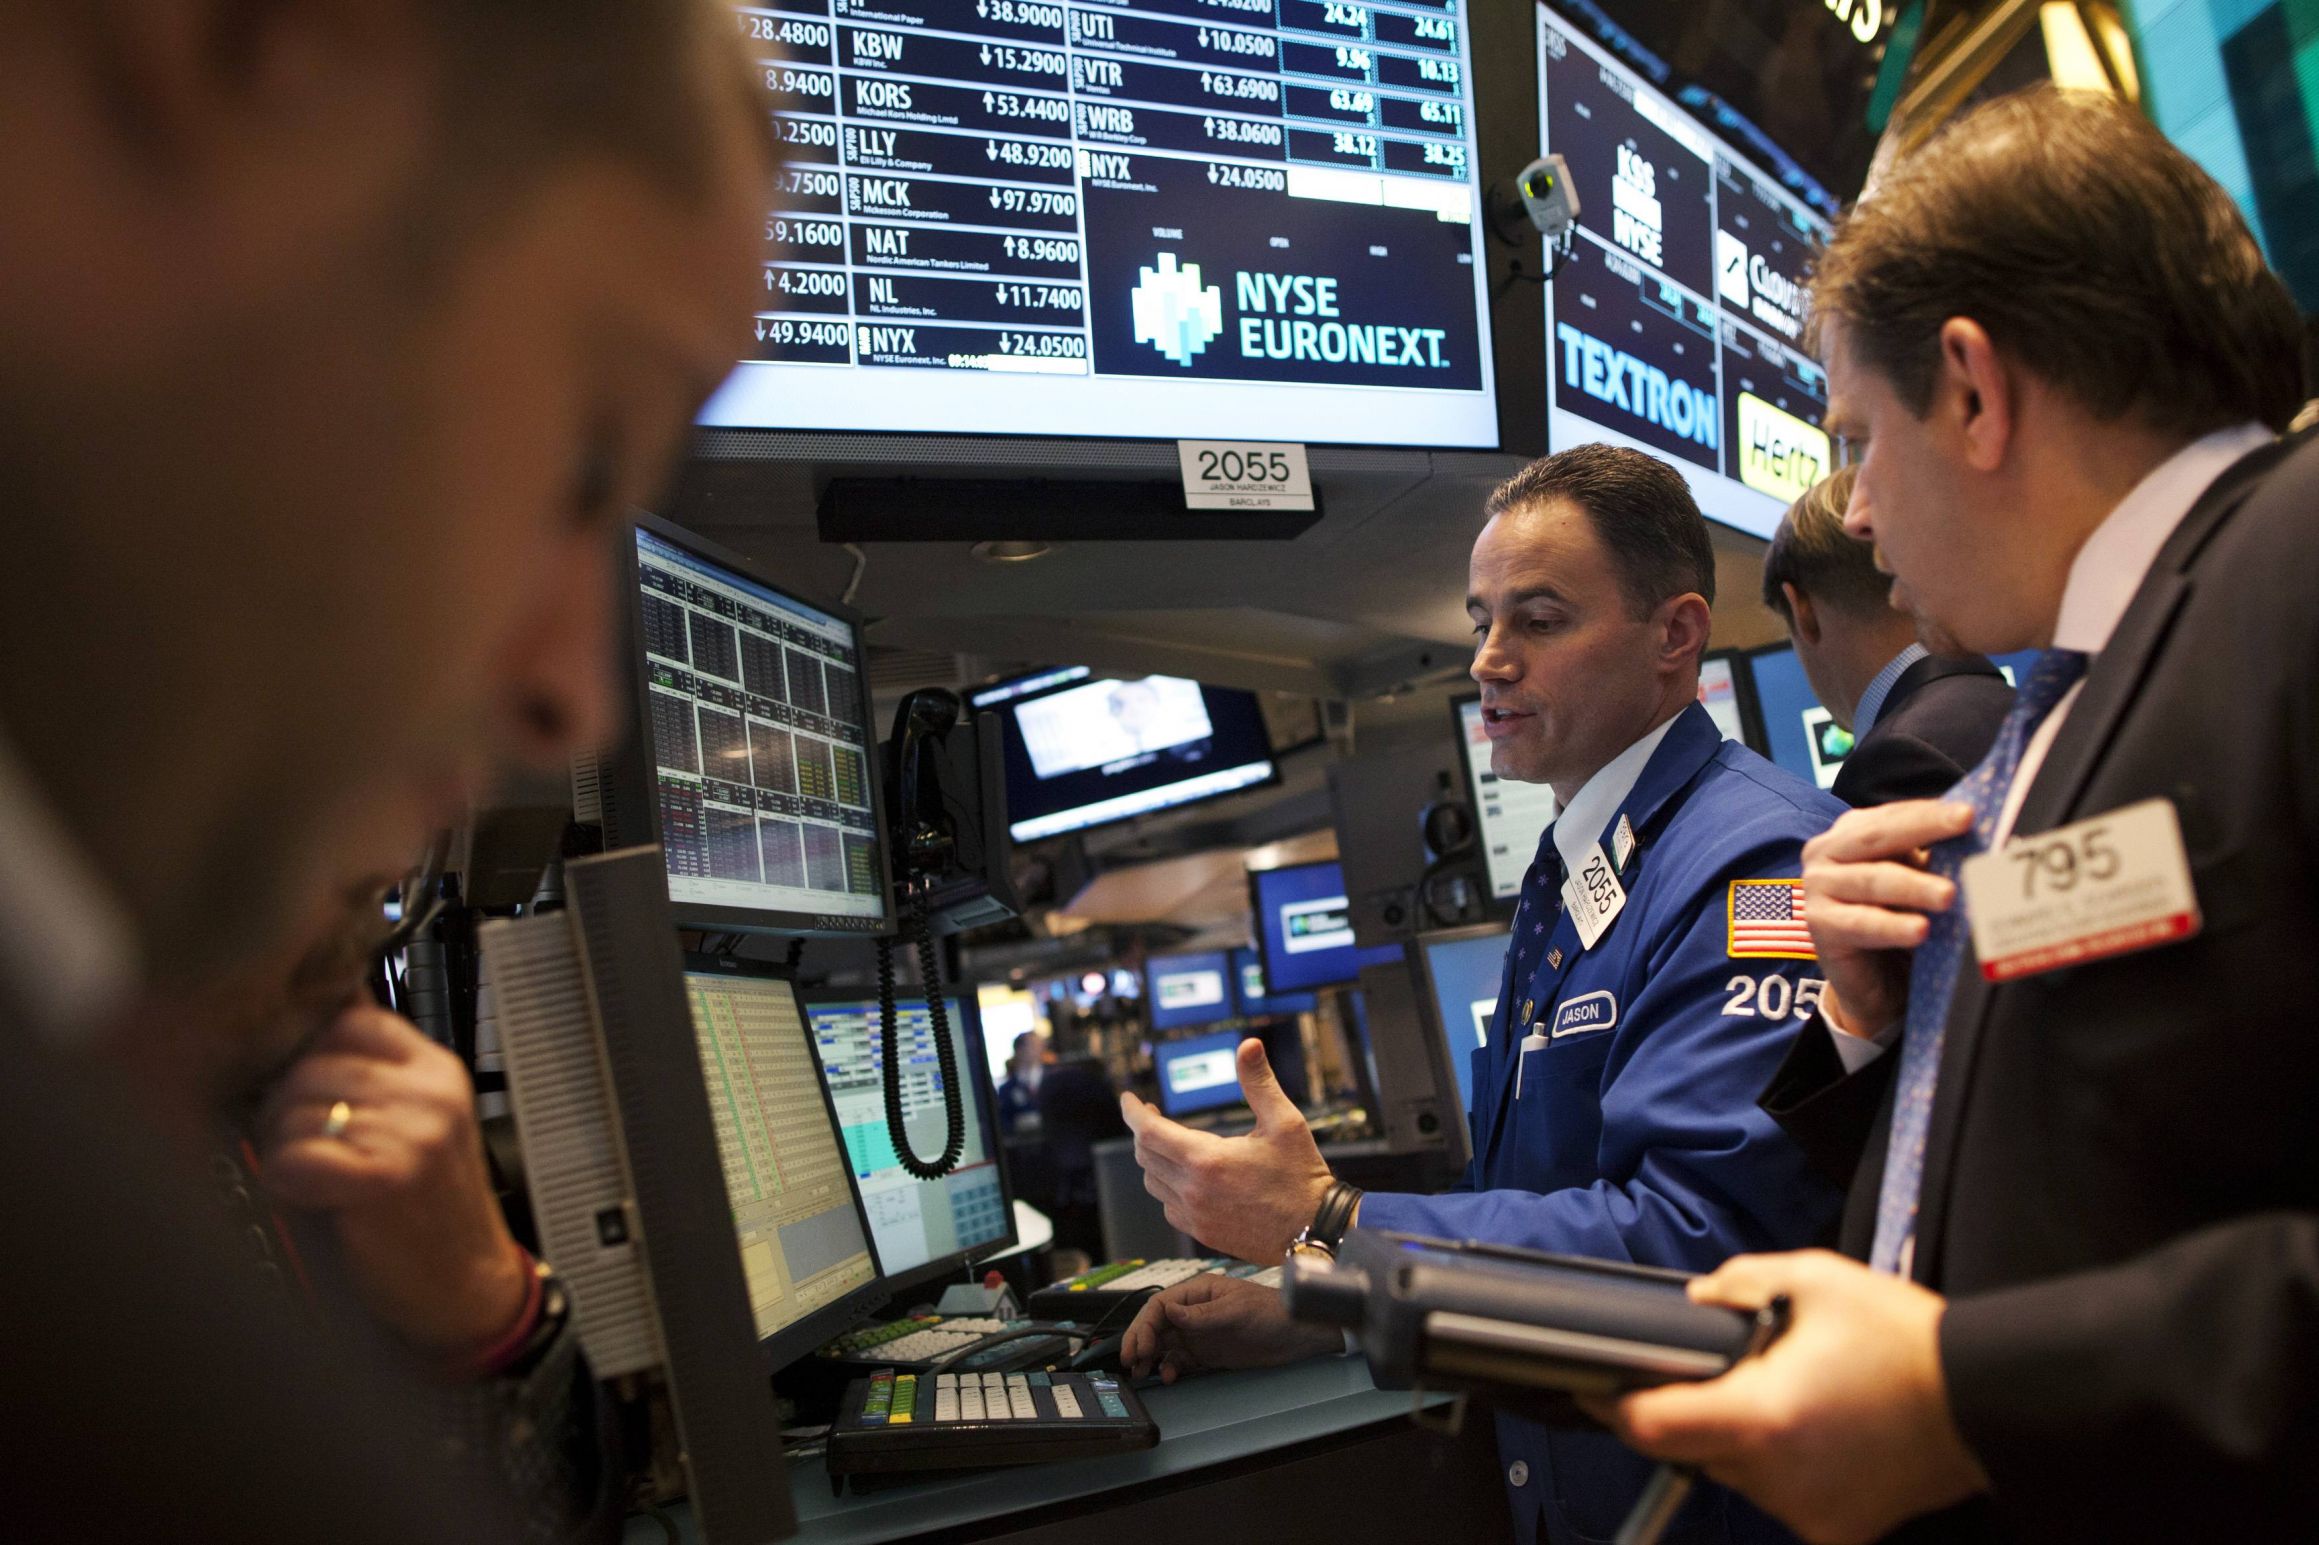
{"x":2112,"y":564}
{"x":1579,"y":827}
{"x":68,"y":955}
{"x":1880,"y":687}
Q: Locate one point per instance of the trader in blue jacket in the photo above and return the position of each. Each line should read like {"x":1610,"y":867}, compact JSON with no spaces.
{"x":1658,"y":970}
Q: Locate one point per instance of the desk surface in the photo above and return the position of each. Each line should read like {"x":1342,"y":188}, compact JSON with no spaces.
{"x":1204,"y":1421}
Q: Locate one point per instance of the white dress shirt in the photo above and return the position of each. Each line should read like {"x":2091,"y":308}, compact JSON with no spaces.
{"x":2103,"y":577}
{"x":67,"y":952}
{"x":1580,"y":825}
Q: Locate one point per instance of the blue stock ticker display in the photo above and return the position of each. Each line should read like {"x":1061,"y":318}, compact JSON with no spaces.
{"x":1184,"y":218}
{"x":1676,"y":325}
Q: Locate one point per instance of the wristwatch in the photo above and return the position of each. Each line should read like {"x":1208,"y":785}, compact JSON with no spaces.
{"x":1326,"y":1232}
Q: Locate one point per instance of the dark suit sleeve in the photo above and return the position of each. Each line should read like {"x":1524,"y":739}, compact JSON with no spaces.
{"x":2174,"y":1396}
{"x":1832,"y":1115}
{"x":1885,"y":768}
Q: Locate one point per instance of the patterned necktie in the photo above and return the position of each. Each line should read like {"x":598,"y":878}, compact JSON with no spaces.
{"x":1933,"y":974}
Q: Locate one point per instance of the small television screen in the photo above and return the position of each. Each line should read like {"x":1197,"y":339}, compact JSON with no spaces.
{"x":1304,"y":928}
{"x":1802,"y":735}
{"x":1201,"y":1073}
{"x":1187,"y":990}
{"x":1085,"y":750}
{"x":1509,"y":816}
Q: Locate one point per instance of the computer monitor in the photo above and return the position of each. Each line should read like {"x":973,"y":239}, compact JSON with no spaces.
{"x":1721,"y":695}
{"x":1188,"y":220}
{"x":751,"y":759}
{"x":1197,"y":1074}
{"x":1006,"y":1012}
{"x":630,"y":1141}
{"x":1257,"y":1000}
{"x":1509,"y":816}
{"x":1676,"y":323}
{"x":921,"y":1229}
{"x":1186,"y":990}
{"x":1799,"y":733}
{"x":1085,"y":750}
{"x":1304,"y":928}
{"x":1461,"y":970}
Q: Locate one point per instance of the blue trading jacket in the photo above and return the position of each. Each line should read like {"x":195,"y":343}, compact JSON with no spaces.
{"x":1636,"y":1135}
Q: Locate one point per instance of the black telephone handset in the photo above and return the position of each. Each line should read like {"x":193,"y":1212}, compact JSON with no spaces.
{"x":921,"y":840}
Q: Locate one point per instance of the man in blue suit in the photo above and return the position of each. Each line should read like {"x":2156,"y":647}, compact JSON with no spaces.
{"x":1659,"y":968}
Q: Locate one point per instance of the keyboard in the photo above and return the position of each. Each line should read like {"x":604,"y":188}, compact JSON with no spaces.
{"x":895,"y":1421}
{"x":925,"y":1339}
{"x":1105,"y":1294}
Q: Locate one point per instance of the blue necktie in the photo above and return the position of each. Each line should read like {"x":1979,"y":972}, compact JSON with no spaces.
{"x":1932,"y":976}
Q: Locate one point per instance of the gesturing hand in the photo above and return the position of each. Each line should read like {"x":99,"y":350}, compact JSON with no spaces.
{"x":1246,"y":1196}
{"x":1215,"y":1321}
{"x":404,"y":1185}
{"x":1866,"y":896}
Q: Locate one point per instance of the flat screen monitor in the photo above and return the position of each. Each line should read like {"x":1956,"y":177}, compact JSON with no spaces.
{"x":1719,"y":694}
{"x":1304,"y":928}
{"x":1257,"y":1000}
{"x":1202,"y":1073}
{"x":752,"y":760}
{"x":921,"y":1228}
{"x":1800,"y":734}
{"x":803,"y":1246}
{"x":1224,"y":220}
{"x":1086,"y":750}
{"x":1461,"y":970}
{"x":1509,"y":816}
{"x":1186,"y":990}
{"x":1676,"y":324}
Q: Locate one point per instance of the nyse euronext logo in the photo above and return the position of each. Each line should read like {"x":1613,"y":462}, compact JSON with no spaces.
{"x":1174,"y":312}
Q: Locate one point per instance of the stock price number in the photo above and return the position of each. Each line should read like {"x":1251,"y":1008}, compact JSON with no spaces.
{"x":798,"y":83}
{"x":1019,"y":13}
{"x":1032,"y":153}
{"x":802,"y":282}
{"x":1043,"y":345}
{"x":778,"y":330}
{"x":1005,"y":104}
{"x":1033,"y":201}
{"x":1240,"y":131}
{"x":1042,"y":249}
{"x":1268,"y":179}
{"x":1254,"y":43}
{"x":789,"y":34}
{"x":1249,"y":88}
{"x":1051,"y":297}
{"x":805,"y":233}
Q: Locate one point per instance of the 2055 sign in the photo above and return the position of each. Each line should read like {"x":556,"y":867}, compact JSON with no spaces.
{"x":1244,"y":475}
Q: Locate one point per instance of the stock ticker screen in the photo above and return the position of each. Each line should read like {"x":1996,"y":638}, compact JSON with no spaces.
{"x":1245,"y":218}
{"x":1677,"y":323}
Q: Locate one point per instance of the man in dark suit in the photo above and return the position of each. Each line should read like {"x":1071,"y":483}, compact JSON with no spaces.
{"x":1919,"y":719}
{"x":2088,"y":1189}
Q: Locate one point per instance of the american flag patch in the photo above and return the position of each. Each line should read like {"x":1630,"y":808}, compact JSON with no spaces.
{"x":1766,"y":921}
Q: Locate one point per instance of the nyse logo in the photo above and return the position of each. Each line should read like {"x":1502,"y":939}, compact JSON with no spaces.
{"x":1174,"y":312}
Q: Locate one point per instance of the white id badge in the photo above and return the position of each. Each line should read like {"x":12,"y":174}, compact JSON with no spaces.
{"x":1593,"y":896}
{"x":2086,"y":891}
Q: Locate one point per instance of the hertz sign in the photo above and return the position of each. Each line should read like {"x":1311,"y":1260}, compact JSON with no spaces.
{"x":1865,"y":18}
{"x":1779,"y":454}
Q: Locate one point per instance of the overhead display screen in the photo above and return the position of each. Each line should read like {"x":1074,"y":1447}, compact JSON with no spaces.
{"x":1676,"y":325}
{"x":1246,"y":218}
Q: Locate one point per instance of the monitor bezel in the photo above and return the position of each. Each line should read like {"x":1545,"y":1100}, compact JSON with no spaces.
{"x":802,"y":1336}
{"x":631,"y":767}
{"x":1010,"y":732}
{"x":1421,"y":968}
{"x":891,"y":1285}
{"x":1227,"y":1011}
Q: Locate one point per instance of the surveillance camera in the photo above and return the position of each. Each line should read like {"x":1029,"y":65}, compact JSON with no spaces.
{"x":1549,"y":197}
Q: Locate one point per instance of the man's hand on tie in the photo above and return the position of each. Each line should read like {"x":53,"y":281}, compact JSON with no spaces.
{"x":404,"y":1185}
{"x":1246,"y":1196}
{"x":1841,"y":1428}
{"x":1215,"y":1321}
{"x":1866,"y":896}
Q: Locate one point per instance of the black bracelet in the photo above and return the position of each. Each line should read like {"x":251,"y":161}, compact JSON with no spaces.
{"x":1336,"y":1214}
